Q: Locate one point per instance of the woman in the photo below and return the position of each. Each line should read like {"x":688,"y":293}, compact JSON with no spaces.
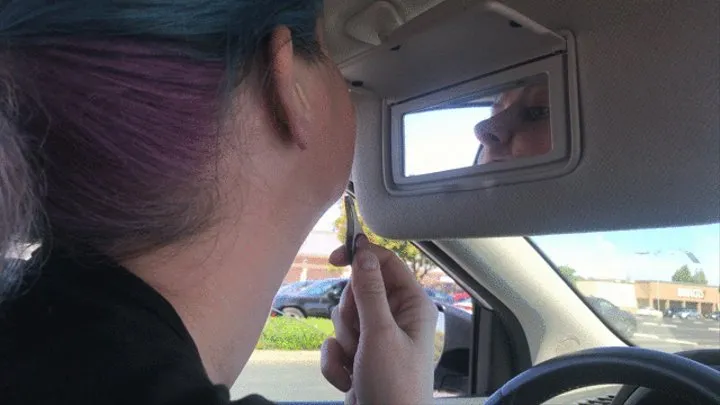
{"x":171,"y":157}
{"x":519,"y":126}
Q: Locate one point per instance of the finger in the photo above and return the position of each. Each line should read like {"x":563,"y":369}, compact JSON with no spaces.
{"x":348,"y":308}
{"x":395,"y":272}
{"x":339,"y":257}
{"x":369,"y":290}
{"x":347,"y":337}
{"x":346,"y":331}
{"x":334,"y":365}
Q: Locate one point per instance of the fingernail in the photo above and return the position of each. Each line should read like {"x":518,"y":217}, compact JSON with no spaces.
{"x":367,"y":261}
{"x":362,"y":242}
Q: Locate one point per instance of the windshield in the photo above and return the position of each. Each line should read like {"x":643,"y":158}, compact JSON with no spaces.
{"x":319,"y":288}
{"x":295,"y":287}
{"x":657,"y":288}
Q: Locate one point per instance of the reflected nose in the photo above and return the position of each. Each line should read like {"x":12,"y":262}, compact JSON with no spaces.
{"x":497,"y":130}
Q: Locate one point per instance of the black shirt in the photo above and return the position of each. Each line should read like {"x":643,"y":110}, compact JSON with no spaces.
{"x":93,"y":333}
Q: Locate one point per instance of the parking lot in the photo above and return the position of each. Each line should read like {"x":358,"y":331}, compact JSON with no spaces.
{"x":673,"y":335}
{"x":284,"y":376}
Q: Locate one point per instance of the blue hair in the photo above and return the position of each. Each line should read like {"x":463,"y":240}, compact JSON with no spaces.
{"x":232,"y":31}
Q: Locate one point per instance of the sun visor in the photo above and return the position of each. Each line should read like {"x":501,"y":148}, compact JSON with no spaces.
{"x":489,"y":119}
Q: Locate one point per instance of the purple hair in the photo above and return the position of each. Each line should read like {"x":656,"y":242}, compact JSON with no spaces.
{"x":127,"y":142}
{"x":110,"y":116}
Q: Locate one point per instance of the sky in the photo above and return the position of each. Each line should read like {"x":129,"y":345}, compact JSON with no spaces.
{"x":458,"y":145}
{"x":615,"y":254}
{"x":443,"y":140}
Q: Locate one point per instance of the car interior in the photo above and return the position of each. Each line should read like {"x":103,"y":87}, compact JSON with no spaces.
{"x":634,"y":101}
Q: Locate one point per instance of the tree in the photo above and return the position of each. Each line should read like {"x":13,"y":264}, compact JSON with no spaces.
{"x":683,"y":275}
{"x":699,"y":278}
{"x":569,"y":273}
{"x":415,"y":259}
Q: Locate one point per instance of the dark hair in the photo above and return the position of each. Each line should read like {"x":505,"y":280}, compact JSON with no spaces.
{"x":110,"y":112}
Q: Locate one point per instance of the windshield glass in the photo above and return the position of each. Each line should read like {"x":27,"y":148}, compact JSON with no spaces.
{"x":319,"y":288}
{"x":658,"y":288}
{"x":295,"y":287}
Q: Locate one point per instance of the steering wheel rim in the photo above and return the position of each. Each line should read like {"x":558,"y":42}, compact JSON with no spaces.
{"x":611,"y":365}
{"x":634,"y":395}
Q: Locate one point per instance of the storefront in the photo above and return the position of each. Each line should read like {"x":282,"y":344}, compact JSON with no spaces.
{"x":662,"y":295}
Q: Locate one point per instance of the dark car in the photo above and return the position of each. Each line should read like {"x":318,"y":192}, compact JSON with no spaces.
{"x":438,"y":296}
{"x":681,"y":313}
{"x":315,"y":300}
{"x":298,"y":285}
{"x":668,"y":313}
{"x":622,"y":321}
{"x":713,"y":315}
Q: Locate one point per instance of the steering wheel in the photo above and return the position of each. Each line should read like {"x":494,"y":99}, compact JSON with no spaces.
{"x":633,"y":366}
{"x":634,"y":395}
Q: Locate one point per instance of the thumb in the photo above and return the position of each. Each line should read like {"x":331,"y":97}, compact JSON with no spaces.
{"x":368,"y":287}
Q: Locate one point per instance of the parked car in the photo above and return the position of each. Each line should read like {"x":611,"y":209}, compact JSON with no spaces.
{"x":296,"y":286}
{"x":649,"y":312}
{"x":465,"y":305}
{"x":315,"y":300}
{"x":438,"y":296}
{"x":461,"y":296}
{"x":624,"y":322}
{"x":713,"y":315}
{"x":681,"y":313}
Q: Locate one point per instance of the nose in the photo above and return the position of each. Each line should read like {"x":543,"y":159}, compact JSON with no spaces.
{"x":497,"y":130}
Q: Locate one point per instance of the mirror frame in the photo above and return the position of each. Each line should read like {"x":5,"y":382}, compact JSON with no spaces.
{"x":561,"y":72}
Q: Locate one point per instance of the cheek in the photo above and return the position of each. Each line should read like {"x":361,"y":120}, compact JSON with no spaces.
{"x":350,"y":126}
{"x":536,"y":142}
{"x":343,"y":112}
{"x":492,"y":152}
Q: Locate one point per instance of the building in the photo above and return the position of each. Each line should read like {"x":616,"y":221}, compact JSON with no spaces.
{"x":313,"y":267}
{"x":311,"y":263}
{"x":662,"y":295}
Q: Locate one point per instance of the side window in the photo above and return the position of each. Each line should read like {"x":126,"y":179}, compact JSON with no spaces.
{"x":285,"y":365}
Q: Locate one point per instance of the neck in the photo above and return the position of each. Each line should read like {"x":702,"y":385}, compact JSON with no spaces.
{"x":223,"y":283}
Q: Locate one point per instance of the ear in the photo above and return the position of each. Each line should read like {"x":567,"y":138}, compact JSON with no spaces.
{"x":290,"y":103}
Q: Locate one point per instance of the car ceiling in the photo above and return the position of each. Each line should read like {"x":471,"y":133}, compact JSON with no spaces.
{"x":648,"y":80}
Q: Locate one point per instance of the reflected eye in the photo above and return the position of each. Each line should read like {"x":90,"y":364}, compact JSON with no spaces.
{"x":532,"y":114}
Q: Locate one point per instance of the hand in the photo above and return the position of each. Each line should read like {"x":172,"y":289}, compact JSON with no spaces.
{"x":382,"y":352}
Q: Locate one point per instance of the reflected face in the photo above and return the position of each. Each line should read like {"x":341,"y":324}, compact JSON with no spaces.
{"x":519,"y":126}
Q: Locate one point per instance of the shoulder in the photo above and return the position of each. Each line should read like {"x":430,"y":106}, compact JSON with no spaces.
{"x":98,"y":335}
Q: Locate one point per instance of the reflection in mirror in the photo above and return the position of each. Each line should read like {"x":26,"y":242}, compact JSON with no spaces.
{"x":505,"y":123}
{"x":439,"y":338}
{"x":441,"y":139}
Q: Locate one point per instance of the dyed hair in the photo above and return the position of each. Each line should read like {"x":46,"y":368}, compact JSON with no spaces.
{"x":110,"y":114}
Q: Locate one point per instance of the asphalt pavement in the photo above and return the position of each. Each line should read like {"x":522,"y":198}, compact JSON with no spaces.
{"x":285,"y":376}
{"x":674,"y":335}
{"x":295,"y":376}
